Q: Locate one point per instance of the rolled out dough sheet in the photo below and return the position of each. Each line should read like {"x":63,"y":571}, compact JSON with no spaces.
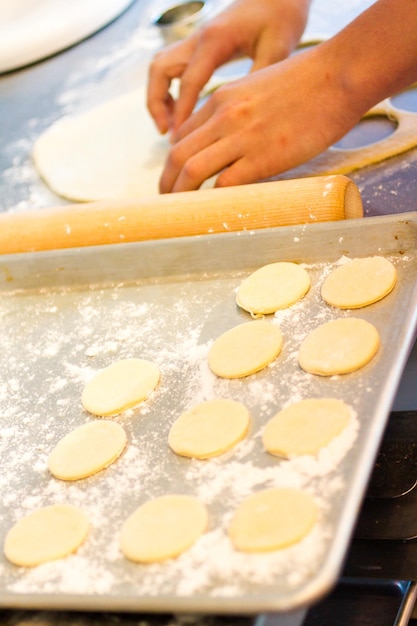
{"x":110,"y":151}
{"x":31,"y":30}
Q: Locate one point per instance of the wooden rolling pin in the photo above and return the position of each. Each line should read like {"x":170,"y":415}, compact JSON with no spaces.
{"x":246,"y":207}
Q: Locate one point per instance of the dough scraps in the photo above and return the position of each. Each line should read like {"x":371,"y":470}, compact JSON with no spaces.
{"x":359,"y":282}
{"x":340,"y":346}
{"x":87,"y":450}
{"x":245,"y":349}
{"x":337,"y":160}
{"x":163,"y":528}
{"x":272,"y":287}
{"x":120,"y":386}
{"x":47,"y":534}
{"x":209,"y":428}
{"x":305,"y":427}
{"x":272,"y":519}
{"x":110,"y":151}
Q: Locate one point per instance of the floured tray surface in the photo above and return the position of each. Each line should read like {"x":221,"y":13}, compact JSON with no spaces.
{"x":66,"y":314}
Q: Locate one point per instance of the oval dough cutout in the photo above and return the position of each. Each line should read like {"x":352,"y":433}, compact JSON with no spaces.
{"x":87,"y":450}
{"x":209,"y":428}
{"x":339,"y":347}
{"x":245,"y":349}
{"x":120,"y":386}
{"x":272,"y":519}
{"x":273,"y":287}
{"x":47,"y":534}
{"x":359,"y":282}
{"x":163,"y":528}
{"x":306,"y":426}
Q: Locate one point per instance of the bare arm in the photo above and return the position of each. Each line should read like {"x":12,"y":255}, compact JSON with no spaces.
{"x":264,"y":30}
{"x":283,"y":115}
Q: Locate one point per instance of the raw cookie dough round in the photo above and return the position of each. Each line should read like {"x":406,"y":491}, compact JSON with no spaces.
{"x":339,"y":347}
{"x":245,"y":349}
{"x":120,"y":386}
{"x":306,"y":426}
{"x":359,"y":282}
{"x":209,"y":428}
{"x":272,"y":519}
{"x":87,"y":450}
{"x":47,"y":534}
{"x":163,"y":528}
{"x":272,"y":287}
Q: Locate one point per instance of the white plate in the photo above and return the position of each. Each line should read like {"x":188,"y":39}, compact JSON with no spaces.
{"x":31,"y":30}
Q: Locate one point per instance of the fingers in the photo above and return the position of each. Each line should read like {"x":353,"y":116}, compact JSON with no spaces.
{"x":221,"y":158}
{"x":230,"y":135}
{"x":161,"y":108}
{"x":194,"y":72}
{"x":265,"y":31}
{"x":166,"y":65}
{"x":193,"y":80}
{"x":193,"y":171}
{"x":193,"y":61}
{"x":212,"y":140}
{"x":200,"y":154}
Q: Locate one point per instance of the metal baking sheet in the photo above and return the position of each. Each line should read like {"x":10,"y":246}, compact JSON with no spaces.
{"x":66,"y":314}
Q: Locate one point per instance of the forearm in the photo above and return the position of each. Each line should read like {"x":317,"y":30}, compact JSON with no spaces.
{"x":376,"y":55}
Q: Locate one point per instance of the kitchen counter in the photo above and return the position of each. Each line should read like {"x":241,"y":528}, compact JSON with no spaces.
{"x":114,"y":59}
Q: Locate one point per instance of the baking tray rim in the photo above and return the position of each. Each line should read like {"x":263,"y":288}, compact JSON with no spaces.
{"x":221,"y":239}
